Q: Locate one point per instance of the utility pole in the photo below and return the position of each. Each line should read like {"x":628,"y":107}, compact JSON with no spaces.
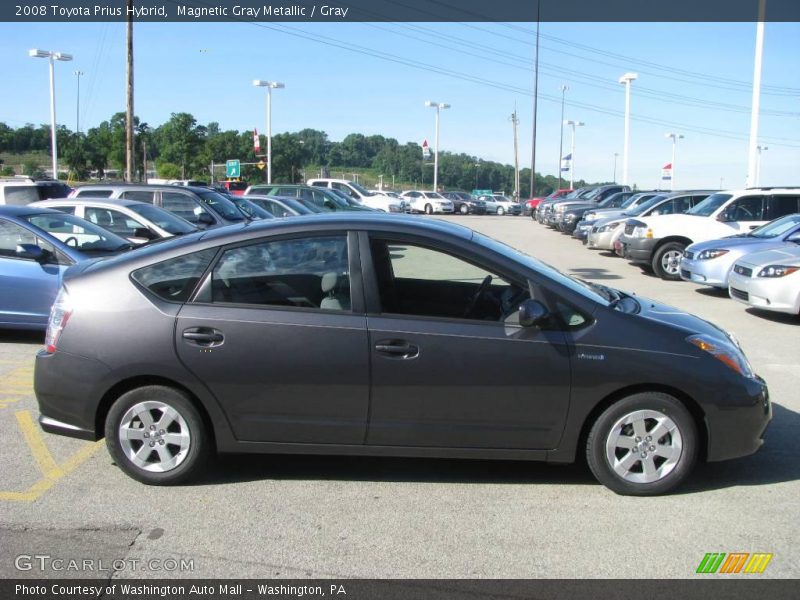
{"x":535,"y":106}
{"x":129,"y":156}
{"x":614,"y":179}
{"x":563,"y":89}
{"x":144,"y":160}
{"x":514,"y":123}
{"x":78,"y":102}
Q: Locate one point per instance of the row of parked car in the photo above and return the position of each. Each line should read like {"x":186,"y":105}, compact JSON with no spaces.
{"x":744,"y":241}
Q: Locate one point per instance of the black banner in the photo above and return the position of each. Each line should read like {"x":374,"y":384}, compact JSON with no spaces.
{"x":401,"y":10}
{"x":742,"y":588}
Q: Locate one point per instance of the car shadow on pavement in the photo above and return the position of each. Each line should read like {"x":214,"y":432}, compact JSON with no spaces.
{"x":775,"y":462}
{"x":712,"y":292}
{"x":238,"y":468}
{"x":12,"y":336}
{"x":775,"y":317}
{"x":594,"y":273}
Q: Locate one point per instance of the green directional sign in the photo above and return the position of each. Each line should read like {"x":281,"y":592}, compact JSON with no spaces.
{"x":233,"y":169}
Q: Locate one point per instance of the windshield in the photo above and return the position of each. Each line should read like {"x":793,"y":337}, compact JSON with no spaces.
{"x":644,"y":206}
{"x":434,"y":195}
{"x":77,"y":233}
{"x":361,"y":190}
{"x":709,"y":205}
{"x":168,"y":221}
{"x":221,"y":205}
{"x":583,"y":288}
{"x":631,"y":201}
{"x":777,"y":227}
{"x":591,"y":194}
{"x":251,"y":209}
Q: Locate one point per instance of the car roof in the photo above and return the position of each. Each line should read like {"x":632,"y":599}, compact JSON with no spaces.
{"x":91,"y":201}
{"x":9,"y":210}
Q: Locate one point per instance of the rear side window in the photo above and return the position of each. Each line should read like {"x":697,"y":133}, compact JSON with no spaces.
{"x":780,"y":206}
{"x":182,"y":205}
{"x":93,"y":193}
{"x":140,"y":195}
{"x":21,"y":194}
{"x":174,"y":279}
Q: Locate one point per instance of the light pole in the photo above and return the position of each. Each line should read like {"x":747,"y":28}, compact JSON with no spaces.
{"x":53,"y":56}
{"x":753,"y":152}
{"x":614,"y":179}
{"x":439,"y":106}
{"x":626,"y":80}
{"x":675,"y":137}
{"x":563,"y":89}
{"x":573,"y":125}
{"x":477,"y":167}
{"x":78,"y":102}
{"x":270,"y":85}
{"x":758,"y":164}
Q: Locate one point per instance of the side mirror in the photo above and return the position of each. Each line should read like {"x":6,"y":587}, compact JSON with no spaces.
{"x":724,"y":217}
{"x":31,"y":251}
{"x":144,"y":233}
{"x":205,"y":219}
{"x":532,"y":312}
{"x":795,"y":237}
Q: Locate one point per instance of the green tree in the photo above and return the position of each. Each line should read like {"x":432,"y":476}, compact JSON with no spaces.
{"x":168,"y":170}
{"x":180,"y":141}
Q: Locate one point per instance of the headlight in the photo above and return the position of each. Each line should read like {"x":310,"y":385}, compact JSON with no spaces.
{"x":570,"y":217}
{"x":643,"y":231}
{"x":725,"y":352}
{"x":777,"y":271}
{"x":712,"y":253}
{"x":590,"y":216}
{"x":609,"y":227}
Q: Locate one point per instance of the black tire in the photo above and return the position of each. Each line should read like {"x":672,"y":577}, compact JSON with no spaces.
{"x":428,"y":209}
{"x":464,"y":210}
{"x":189,"y":460}
{"x":642,"y":409}
{"x":666,"y":261}
{"x":500,"y":211}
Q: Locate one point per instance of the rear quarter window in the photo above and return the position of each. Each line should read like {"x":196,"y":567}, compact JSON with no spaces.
{"x":174,"y":279}
{"x":20,"y":195}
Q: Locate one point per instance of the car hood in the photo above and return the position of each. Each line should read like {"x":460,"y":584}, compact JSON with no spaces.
{"x":663,"y":314}
{"x":737,"y":242}
{"x":787,"y":254}
{"x":606,"y":220}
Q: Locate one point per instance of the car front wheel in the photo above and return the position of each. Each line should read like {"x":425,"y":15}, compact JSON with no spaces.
{"x":643,"y":445}
{"x":501,"y":211}
{"x":464,"y":209}
{"x":667,"y":261}
{"x":428,"y":209}
{"x":156,"y":435}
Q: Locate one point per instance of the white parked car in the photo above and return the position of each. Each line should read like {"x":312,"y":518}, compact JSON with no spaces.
{"x":658,"y":243}
{"x":769,"y":280}
{"x":362,"y":195}
{"x":428,"y":202}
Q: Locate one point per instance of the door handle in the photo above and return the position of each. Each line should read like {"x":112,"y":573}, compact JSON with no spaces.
{"x":397,"y":348}
{"x":203,"y":336}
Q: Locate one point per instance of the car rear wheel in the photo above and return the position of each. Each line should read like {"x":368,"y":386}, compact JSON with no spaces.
{"x":501,"y":211}
{"x":643,"y":445}
{"x":667,"y":261}
{"x":464,"y":209}
{"x":157,"y":436}
{"x":428,"y":209}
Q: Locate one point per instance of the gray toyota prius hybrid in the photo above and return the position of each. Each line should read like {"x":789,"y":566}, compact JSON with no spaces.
{"x":382,"y":335}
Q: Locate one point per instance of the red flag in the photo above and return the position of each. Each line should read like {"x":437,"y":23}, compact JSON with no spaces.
{"x":256,"y":143}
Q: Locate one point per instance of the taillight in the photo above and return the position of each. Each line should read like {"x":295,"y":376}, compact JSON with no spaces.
{"x":59,"y":315}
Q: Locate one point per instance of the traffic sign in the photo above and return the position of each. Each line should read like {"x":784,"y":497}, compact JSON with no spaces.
{"x":261,"y":164}
{"x":426,"y":150}
{"x":233,"y":169}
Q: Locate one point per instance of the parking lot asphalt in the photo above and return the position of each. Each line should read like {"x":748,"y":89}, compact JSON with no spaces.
{"x":278,"y":516}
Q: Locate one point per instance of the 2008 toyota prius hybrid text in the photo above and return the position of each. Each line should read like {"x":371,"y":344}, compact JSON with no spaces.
{"x":377,"y":335}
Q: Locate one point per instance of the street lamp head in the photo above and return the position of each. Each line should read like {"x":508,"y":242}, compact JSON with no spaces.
{"x":275,"y":85}
{"x":430,"y":103}
{"x":628,"y":77}
{"x":444,"y":105}
{"x":270,"y":84}
{"x":36,"y":53}
{"x":62,"y":56}
{"x":78,"y":73}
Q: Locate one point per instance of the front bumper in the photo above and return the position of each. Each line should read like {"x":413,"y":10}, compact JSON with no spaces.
{"x":600,"y":241}
{"x":738,"y":431}
{"x":638,"y":250}
{"x":705,"y":272}
{"x":780,"y":294}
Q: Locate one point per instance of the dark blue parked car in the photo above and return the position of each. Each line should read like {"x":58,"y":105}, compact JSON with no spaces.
{"x":36,"y":246}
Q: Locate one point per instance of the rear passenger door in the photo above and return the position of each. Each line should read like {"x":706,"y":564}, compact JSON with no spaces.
{"x":278,"y":334}
{"x":782,"y":205}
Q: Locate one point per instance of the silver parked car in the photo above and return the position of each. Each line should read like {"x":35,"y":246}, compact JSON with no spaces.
{"x":710,"y":263}
{"x":769,"y":280}
{"x":139,"y":222}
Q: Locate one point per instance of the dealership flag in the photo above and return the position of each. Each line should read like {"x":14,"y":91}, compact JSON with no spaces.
{"x":566,"y":162}
{"x":426,"y":150}
{"x":256,"y":143}
{"x":666,"y":172}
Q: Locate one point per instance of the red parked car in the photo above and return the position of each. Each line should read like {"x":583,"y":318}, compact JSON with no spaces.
{"x":529,"y":206}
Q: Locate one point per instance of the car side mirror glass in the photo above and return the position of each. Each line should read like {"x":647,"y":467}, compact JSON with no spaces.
{"x":205,"y":218}
{"x":31,"y":251}
{"x":724,"y":217}
{"x":532,"y":312}
{"x":795,"y":237}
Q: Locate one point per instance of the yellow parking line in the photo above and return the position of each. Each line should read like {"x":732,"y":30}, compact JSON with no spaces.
{"x":52,"y":471}
{"x":47,"y":465}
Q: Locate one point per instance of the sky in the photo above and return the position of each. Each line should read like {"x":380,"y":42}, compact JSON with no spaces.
{"x":695,"y":79}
